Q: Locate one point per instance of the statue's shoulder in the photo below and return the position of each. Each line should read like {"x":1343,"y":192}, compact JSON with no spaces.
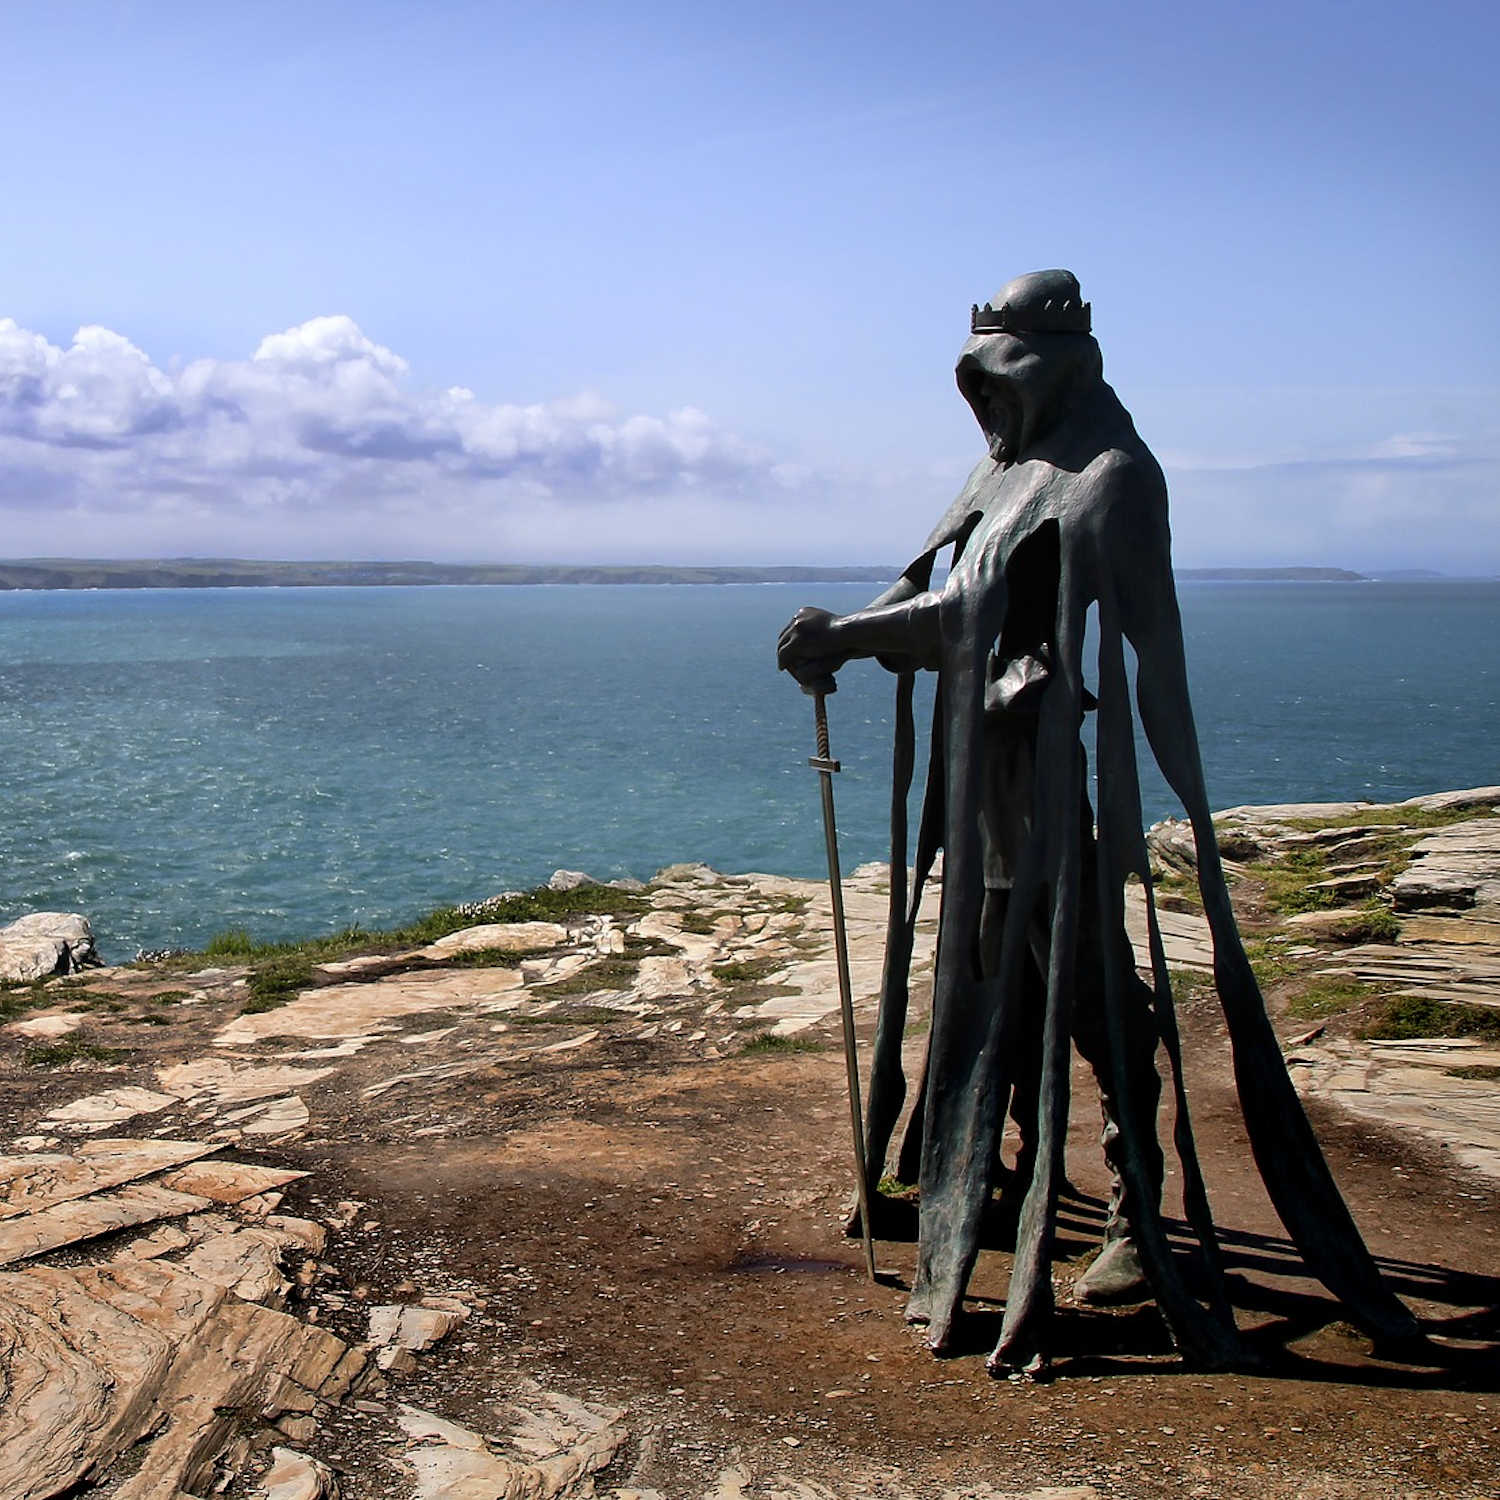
{"x":1125,"y":512}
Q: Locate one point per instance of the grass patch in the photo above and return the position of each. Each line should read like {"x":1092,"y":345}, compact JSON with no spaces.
{"x":234,"y":943}
{"x":1173,"y":893}
{"x":1268,"y":962}
{"x":773,"y":1041}
{"x":1290,"y":880}
{"x":585,"y":1015}
{"x":1331,"y":995}
{"x":614,"y":973}
{"x":492,"y":958}
{"x":700,"y":923}
{"x":62,"y":1054}
{"x":1375,"y":923}
{"x":278,"y":980}
{"x":237,"y":946}
{"x":747,"y":970}
{"x":1481,"y":1072}
{"x":1187,"y":984}
{"x":540,"y":905}
{"x":168,"y":997}
{"x":1393,"y":817}
{"x":17,"y":999}
{"x":1407,"y":1017}
{"x":1239,"y":847}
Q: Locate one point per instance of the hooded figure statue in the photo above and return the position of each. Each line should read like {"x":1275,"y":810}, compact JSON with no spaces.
{"x":1066,"y":513}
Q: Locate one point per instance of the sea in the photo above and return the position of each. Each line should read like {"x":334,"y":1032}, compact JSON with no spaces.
{"x":178,"y":763}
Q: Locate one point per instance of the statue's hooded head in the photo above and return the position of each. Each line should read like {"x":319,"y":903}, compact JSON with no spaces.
{"x":1031,"y":355}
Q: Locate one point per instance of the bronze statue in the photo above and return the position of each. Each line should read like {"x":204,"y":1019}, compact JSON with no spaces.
{"x":1067,"y":512}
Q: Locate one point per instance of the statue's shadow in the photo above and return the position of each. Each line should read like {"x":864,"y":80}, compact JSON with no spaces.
{"x":1292,"y":1325}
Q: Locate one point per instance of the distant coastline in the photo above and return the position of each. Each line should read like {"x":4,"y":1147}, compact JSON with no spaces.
{"x":234,"y":573}
{"x":55,"y":573}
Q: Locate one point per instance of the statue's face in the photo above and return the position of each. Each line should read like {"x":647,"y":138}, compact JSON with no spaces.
{"x":995,"y":373}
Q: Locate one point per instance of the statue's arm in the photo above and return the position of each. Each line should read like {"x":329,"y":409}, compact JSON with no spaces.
{"x":1140,"y":556}
{"x":900,"y":627}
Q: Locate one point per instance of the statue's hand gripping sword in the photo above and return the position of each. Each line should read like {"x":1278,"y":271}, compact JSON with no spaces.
{"x":824,"y":764}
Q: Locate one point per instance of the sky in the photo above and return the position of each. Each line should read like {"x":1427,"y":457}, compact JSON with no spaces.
{"x":684,"y":283}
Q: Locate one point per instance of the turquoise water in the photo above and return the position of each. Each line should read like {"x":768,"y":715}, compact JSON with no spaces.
{"x":176,"y":763}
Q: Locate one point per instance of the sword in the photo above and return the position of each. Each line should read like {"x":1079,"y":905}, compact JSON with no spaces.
{"x":824,"y":764}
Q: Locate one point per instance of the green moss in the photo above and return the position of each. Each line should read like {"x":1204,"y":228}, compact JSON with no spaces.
{"x":1289,"y":882}
{"x":1268,"y":962}
{"x":1237,"y":846}
{"x":747,"y":970}
{"x":278,"y":980}
{"x":772,"y":1041}
{"x":584,"y":1015}
{"x":61,"y":1054}
{"x":1397,"y":817}
{"x":1375,"y":923}
{"x":543,"y":904}
{"x":1328,"y":996}
{"x":614,"y":973}
{"x":1481,"y":1072}
{"x":540,"y":905}
{"x":492,"y":958}
{"x":1186,"y":983}
{"x":17,"y":999}
{"x":1404,"y":1017}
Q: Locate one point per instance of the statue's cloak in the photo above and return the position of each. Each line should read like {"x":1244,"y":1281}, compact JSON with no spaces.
{"x":1077,"y":523}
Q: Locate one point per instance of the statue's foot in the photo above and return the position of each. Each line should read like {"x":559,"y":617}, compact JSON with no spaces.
{"x":1115,"y":1276}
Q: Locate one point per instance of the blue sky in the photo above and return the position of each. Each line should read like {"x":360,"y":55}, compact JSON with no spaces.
{"x":670,"y":282}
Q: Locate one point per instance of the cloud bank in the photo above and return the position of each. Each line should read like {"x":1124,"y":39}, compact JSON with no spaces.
{"x":319,"y":439}
{"x":321,"y":445}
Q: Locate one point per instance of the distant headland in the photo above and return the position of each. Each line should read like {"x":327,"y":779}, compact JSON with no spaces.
{"x":232,"y":573}
{"x":237,"y":573}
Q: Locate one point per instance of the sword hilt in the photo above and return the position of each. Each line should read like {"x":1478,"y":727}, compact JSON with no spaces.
{"x":818,"y":689}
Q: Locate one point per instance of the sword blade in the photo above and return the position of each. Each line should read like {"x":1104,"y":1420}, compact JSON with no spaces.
{"x":825,"y":767}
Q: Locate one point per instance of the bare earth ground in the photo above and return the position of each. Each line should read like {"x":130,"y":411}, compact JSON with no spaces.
{"x":651,"y":1221}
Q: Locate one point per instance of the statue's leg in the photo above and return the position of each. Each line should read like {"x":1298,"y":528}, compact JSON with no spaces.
{"x":1117,"y":1274}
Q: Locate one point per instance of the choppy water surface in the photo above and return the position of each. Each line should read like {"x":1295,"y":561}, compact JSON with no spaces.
{"x":175,"y":763}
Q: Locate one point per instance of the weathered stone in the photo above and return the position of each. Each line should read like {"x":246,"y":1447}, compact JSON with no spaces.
{"x":394,"y":1325}
{"x":46,"y":943}
{"x":95,"y":1358}
{"x":49,"y":1028}
{"x":556,"y":1445}
{"x":351,"y":1010}
{"x":1452,"y":869}
{"x":37,"y":1181}
{"x":99,"y":1111}
{"x":86,"y":1218}
{"x":294,"y":1476}
{"x":228,"y":1181}
{"x":505,"y":937}
{"x":231,"y":1083}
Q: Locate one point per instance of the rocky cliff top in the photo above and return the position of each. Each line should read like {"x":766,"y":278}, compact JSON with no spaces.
{"x":548,"y":1198}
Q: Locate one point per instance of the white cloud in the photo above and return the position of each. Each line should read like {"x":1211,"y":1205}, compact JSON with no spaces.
{"x":321,"y":429}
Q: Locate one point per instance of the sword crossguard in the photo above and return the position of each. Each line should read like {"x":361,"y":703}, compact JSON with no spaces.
{"x":822,"y":763}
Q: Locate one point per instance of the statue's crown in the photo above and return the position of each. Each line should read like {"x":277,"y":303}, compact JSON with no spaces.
{"x":1041,"y":302}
